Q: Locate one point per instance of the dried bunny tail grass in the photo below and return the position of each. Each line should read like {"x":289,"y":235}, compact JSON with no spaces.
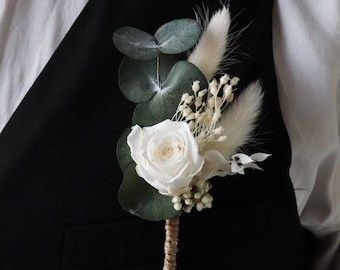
{"x":239,"y":120}
{"x":211,"y":48}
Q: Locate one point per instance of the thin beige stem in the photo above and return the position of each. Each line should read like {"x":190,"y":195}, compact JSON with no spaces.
{"x":170,"y":244}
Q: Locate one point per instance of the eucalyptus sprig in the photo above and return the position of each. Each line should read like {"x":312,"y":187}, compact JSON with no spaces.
{"x":174,"y":37}
{"x":154,"y":76}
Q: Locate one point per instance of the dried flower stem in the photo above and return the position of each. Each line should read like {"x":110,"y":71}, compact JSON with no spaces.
{"x":170,"y":244}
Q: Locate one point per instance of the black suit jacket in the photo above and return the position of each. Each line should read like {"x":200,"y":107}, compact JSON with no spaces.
{"x":59,"y":175}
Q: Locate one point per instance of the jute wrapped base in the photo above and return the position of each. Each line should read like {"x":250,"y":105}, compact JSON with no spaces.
{"x":170,"y":244}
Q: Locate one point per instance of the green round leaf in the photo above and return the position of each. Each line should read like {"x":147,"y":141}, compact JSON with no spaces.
{"x":164,"y":104}
{"x":139,"y":81}
{"x":139,"y":198}
{"x":142,"y":116}
{"x":178,"y":36}
{"x":135,"y":43}
{"x":123,"y":150}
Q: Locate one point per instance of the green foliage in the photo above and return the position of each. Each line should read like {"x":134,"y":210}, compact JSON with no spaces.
{"x":135,"y":43}
{"x":173,"y":37}
{"x":152,"y":76}
{"x":139,"y":198}
{"x":123,"y":151}
{"x":142,"y":115}
{"x":139,"y":81}
{"x":179,"y":80}
{"x":178,"y":36}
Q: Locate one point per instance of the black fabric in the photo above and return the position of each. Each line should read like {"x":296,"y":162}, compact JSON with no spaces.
{"x":59,"y":175}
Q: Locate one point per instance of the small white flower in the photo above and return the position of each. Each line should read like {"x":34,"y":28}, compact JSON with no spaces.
{"x":166,"y":155}
{"x":234,"y":81}
{"x":189,"y":100}
{"x":186,"y":112}
{"x":184,"y":97}
{"x":227,"y":90}
{"x":198,"y":102}
{"x":224,"y":79}
{"x":202,"y":92}
{"x":240,"y":161}
{"x":195,"y":86}
{"x":213,"y":86}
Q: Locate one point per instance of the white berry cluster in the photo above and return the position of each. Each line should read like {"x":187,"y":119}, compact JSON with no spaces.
{"x":198,"y":196}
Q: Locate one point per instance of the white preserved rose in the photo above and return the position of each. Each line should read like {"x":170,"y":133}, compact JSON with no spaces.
{"x":166,"y":155}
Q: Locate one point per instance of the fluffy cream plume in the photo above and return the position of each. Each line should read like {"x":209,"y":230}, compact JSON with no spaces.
{"x":212,"y":45}
{"x":239,"y":120}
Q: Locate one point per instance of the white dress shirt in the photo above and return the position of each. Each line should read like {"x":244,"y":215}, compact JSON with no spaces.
{"x":306,"y":42}
{"x":30,"y":31}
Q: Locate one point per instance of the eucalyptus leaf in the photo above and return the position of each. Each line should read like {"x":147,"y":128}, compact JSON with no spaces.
{"x":179,"y":81}
{"x":139,"y":81}
{"x":139,"y":198}
{"x":178,"y":36}
{"x":123,"y":150}
{"x":142,"y":116}
{"x":135,"y":43}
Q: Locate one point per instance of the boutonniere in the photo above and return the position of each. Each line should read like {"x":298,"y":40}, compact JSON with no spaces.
{"x":187,"y":128}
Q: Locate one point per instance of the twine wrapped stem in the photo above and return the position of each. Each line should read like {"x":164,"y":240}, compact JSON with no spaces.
{"x":170,"y":244}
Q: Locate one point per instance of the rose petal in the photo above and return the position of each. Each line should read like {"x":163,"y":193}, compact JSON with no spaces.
{"x":166,"y":155}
